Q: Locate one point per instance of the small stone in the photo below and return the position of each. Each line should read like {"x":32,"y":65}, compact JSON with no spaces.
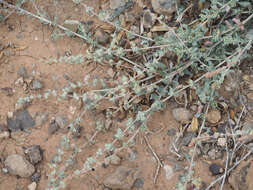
{"x":148,"y":19}
{"x":221,"y":142}
{"x":247,"y":127}
{"x":213,"y":116}
{"x":21,"y":121}
{"x":19,"y":82}
{"x":135,"y":30}
{"x":115,"y":4}
{"x":232,"y":81}
{"x":53,"y":127}
{"x":36,"y":84}
{"x":32,"y":186}
{"x":110,"y":72}
{"x":139,"y":183}
{"x":215,"y":169}
{"x":164,"y":6}
{"x":4,"y":135}
{"x":133,"y":155}
{"x":168,"y":171}
{"x":34,"y":154}
{"x":41,"y":118}
{"x":102,"y":37}
{"x":182,"y":115}
{"x":36,"y":177}
{"x":10,"y":114}
{"x":1,"y":127}
{"x":172,"y":132}
{"x":187,"y":138}
{"x":71,"y":25}
{"x":22,"y":72}
{"x":17,"y":165}
{"x":212,"y":154}
{"x":122,"y":178}
{"x":129,"y":17}
{"x":115,"y":160}
{"x":61,"y":121}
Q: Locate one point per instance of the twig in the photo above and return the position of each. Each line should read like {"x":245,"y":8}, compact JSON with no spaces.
{"x":157,"y":172}
{"x":234,"y":166}
{"x":153,"y":152}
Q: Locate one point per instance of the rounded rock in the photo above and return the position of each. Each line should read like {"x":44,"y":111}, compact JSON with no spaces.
{"x":17,"y":165}
{"x":164,"y":6}
{"x":182,"y":114}
{"x":214,"y":116}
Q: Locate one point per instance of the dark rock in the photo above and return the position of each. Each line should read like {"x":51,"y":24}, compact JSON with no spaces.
{"x":133,"y":155}
{"x":53,"y":127}
{"x":172,"y":132}
{"x":21,"y":121}
{"x":36,"y":177}
{"x":164,"y":6}
{"x":1,"y":127}
{"x":148,"y":19}
{"x":61,"y":121}
{"x":186,"y":139}
{"x":36,"y":84}
{"x":215,"y":169}
{"x":22,"y":72}
{"x":139,"y":182}
{"x":102,"y":37}
{"x":122,"y":178}
{"x":34,"y":154}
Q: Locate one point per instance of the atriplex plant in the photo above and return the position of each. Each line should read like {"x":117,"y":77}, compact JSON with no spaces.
{"x":200,"y":52}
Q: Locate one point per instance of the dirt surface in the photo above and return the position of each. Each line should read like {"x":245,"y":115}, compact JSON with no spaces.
{"x":34,"y":43}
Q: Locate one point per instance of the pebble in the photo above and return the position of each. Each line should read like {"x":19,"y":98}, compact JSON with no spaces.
{"x":36,"y":177}
{"x":34,"y":154}
{"x":4,"y":135}
{"x":213,"y":116}
{"x":102,"y":37}
{"x":32,"y":186}
{"x":122,"y":178}
{"x":182,"y":114}
{"x":172,"y":132}
{"x":168,"y":171}
{"x":61,"y":121}
{"x":22,"y":72}
{"x":133,"y":155}
{"x":130,"y":17}
{"x":232,"y":81}
{"x":164,"y":6}
{"x":37,"y":84}
{"x":187,"y":138}
{"x":21,"y":121}
{"x":221,"y":142}
{"x":53,"y":127}
{"x":115,"y":160}
{"x":135,"y":30}
{"x":71,"y":25}
{"x":215,"y":169}
{"x":247,"y":127}
{"x":41,"y":118}
{"x":114,"y":4}
{"x":17,"y":165}
{"x":139,"y":183}
{"x":148,"y":19}
{"x":1,"y":127}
